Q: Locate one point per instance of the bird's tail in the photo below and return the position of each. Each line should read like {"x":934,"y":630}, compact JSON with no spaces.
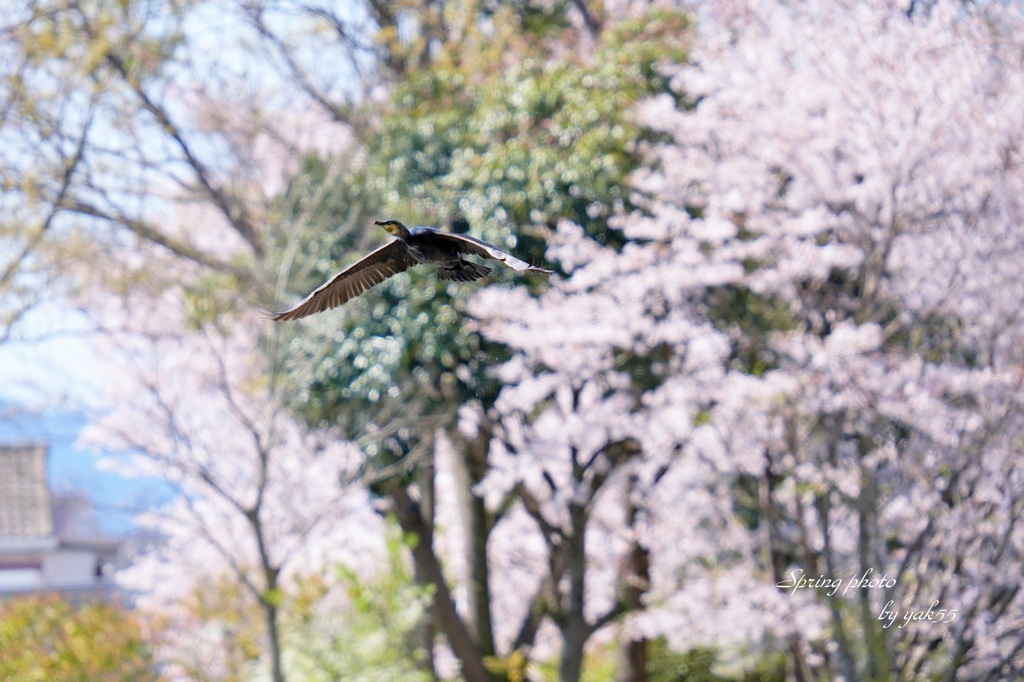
{"x":464,"y":272}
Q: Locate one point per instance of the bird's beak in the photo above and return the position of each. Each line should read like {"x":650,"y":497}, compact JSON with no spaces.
{"x":387,"y":226}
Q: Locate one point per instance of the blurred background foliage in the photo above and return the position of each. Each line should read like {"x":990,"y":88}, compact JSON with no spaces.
{"x":502,"y":136}
{"x":49,"y":639}
{"x":370,"y":637}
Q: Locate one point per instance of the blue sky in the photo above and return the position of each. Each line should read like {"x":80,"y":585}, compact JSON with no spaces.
{"x":115,"y":497}
{"x":49,"y":376}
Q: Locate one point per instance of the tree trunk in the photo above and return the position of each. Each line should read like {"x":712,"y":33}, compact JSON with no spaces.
{"x":411,"y":520}
{"x":270,"y":614}
{"x":879,"y":667}
{"x":633,"y":661}
{"x":424,"y":633}
{"x":770,"y":516}
{"x":480,"y":575}
{"x":574,"y":627}
{"x":268,"y":599}
{"x":470,"y":465}
{"x":633,"y":583}
{"x":575,"y":634}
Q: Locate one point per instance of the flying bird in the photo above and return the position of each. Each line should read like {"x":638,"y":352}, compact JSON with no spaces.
{"x":418,"y":246}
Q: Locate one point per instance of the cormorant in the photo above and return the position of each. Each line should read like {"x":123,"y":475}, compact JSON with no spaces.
{"x":420,"y":245}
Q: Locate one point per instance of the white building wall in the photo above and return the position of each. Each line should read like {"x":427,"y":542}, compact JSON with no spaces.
{"x":19,"y":579}
{"x":69,"y":567}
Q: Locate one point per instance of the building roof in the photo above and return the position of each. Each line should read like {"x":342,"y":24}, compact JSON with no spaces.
{"x":24,"y":493}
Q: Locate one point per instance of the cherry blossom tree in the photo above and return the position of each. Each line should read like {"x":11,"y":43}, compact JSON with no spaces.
{"x":810,"y":343}
{"x":793,"y":352}
{"x":260,"y":500}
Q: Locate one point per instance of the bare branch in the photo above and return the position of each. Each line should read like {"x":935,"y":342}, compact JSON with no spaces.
{"x":151,"y":234}
{"x":232,"y":210}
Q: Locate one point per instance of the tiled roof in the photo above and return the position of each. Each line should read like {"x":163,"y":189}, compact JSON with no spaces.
{"x":24,"y":495}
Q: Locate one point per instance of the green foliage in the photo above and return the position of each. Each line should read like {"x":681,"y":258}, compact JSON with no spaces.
{"x":598,"y":666}
{"x":512,"y":667}
{"x":703,"y":664}
{"x":755,"y":317}
{"x":372,"y":637}
{"x":700,"y":664}
{"x":936,"y":338}
{"x":648,"y":370}
{"x":693,"y":666}
{"x":512,"y":143}
{"x":208,"y":297}
{"x":746,"y":502}
{"x":46,"y":639}
{"x":225,"y":606}
{"x":540,"y":140}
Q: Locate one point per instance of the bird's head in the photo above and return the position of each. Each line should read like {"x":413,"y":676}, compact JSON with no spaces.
{"x":393,"y":227}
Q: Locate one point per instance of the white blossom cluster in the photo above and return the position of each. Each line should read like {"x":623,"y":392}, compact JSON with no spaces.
{"x":253,"y":487}
{"x":817,"y":316}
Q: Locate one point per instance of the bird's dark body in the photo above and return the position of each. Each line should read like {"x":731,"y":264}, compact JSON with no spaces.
{"x":427,"y":248}
{"x":420,"y":245}
{"x":431,"y":246}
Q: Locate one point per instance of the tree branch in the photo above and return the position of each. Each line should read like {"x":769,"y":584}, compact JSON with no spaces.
{"x":591,"y":23}
{"x":149,"y":233}
{"x":233,"y":211}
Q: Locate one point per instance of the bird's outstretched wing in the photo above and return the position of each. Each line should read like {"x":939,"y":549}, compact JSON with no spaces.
{"x":386,"y":261}
{"x":478,"y":247}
